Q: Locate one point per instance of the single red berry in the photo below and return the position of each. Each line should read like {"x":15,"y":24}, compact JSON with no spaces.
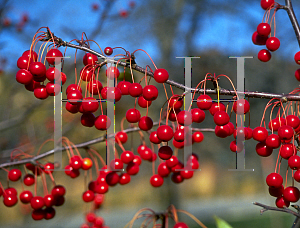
{"x":263,"y":150}
{"x":28,"y":179}
{"x":30,"y":54}
{"x":90,"y":104}
{"x":48,"y":168}
{"x":10,"y":200}
{"x":87,"y":163}
{"x":276,"y":123}
{"x":297,"y":176}
{"x":10,"y":191}
{"x":133,"y":167}
{"x":49,"y":213}
{"x":264,"y":55}
{"x":294,"y":162}
{"x":297,"y":57}
{"x":297,"y":74}
{"x":274,"y":180}
{"x":99,"y":198}
{"x":236,"y":147}
{"x":265,"y":4}
{"x":216,"y":107}
{"x":273,"y":141}
{"x":293,"y":121}
{"x":54,"y":56}
{"x":221,"y":118}
{"x":285,"y":132}
{"x":204,"y":102}
{"x":89,"y":59}
{"x":177,"y":178}
{"x":198,"y":115}
{"x":87,"y":73}
{"x":291,"y":194}
{"x":287,"y":150}
{"x":156,"y":180}
{"x":165,"y":152}
{"x":24,"y":62}
{"x":145,"y":123}
{"x":112,"y":72}
{"x":137,"y":159}
{"x":88,"y":196}
{"x":172,"y":114}
{"x":121,"y":136}
{"x":163,"y":170}
{"x":272,"y":43}
{"x":184,"y":118}
{"x":161,"y":75}
{"x":37,"y":202}
{"x":76,"y":162}
{"x":124,"y":87}
{"x":263,"y":29}
{"x":71,"y":108}
{"x":38,"y":214}
{"x":124,"y":178}
{"x":281,"y":202}
{"x":26,"y":197}
{"x":58,"y":190}
{"x":37,"y":69}
{"x":179,"y":135}
{"x":173,"y":161}
{"x":150,"y":92}
{"x":241,"y":106}
{"x":49,"y":200}
{"x":108,"y":51}
{"x":102,"y":122}
{"x":127,"y":156}
{"x":40,"y":92}
{"x":260,"y":134}
{"x":14,"y":175}
{"x":187,"y":174}
{"x":24,"y":76}
{"x":165,"y":133}
{"x":197,"y":137}
{"x":143,"y":103}
{"x":276,"y":192}
{"x":153,"y":138}
{"x":258,"y":39}
{"x":133,"y":115}
{"x":94,"y":87}
{"x":222,"y":131}
{"x":74,"y":96}
{"x":180,"y":225}
{"x":112,"y":178}
{"x":175,"y":101}
{"x":135,"y":89}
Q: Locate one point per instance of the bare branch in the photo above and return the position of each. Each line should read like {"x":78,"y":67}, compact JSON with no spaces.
{"x":266,"y":208}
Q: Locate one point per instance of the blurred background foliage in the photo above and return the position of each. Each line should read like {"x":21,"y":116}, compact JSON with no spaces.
{"x":213,"y":30}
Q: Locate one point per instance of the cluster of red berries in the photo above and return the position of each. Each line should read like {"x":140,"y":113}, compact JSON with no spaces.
{"x":93,"y":221}
{"x":33,"y":74}
{"x":287,"y":129}
{"x":262,"y":35}
{"x":43,"y":206}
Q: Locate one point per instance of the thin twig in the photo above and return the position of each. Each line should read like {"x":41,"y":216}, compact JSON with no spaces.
{"x":266,"y":208}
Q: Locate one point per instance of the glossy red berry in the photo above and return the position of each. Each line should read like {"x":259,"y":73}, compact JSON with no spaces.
{"x":263,"y":150}
{"x":87,"y":73}
{"x":102,"y":122}
{"x":48,"y":168}
{"x":175,"y":101}
{"x":153,"y":138}
{"x":124,"y":178}
{"x":281,"y":202}
{"x":133,"y":167}
{"x":265,"y":4}
{"x":165,"y":152}
{"x":274,"y":180}
{"x":161,"y":75}
{"x":49,"y":213}
{"x":197,"y":137}
{"x":264,"y":55}
{"x":121,"y":136}
{"x":37,"y":202}
{"x":26,"y":197}
{"x":272,"y":43}
{"x":165,"y":133}
{"x":287,"y":150}
{"x":276,"y":192}
{"x":89,"y":59}
{"x":143,"y":103}
{"x":222,"y":131}
{"x":10,"y":191}
{"x":216,"y":107}
{"x":180,"y":225}
{"x":297,"y":74}
{"x":10,"y":200}
{"x":198,"y":115}
{"x":58,"y":190}
{"x":112,"y":178}
{"x":30,"y":54}
{"x":291,"y":194}
{"x":32,"y":85}
{"x":124,"y":87}
{"x":87,"y":163}
{"x":28,"y":179}
{"x":241,"y":106}
{"x":276,"y":123}
{"x":54,"y":56}
{"x":297,"y":57}
{"x":263,"y":29}
{"x":90,"y":104}
{"x":260,"y":134}
{"x":150,"y":92}
{"x":49,"y":200}
{"x":112,"y":72}
{"x":38,"y":214}
{"x":37,"y":69}
{"x":163,"y":170}
{"x":135,"y":89}
{"x":204,"y":102}
{"x":293,"y":121}
{"x":24,"y":76}
{"x":258,"y":39}
{"x":94,"y":87}
{"x":294,"y":162}
{"x":40,"y":92}
{"x":133,"y":115}
{"x":173,"y":161}
{"x":74,"y":96}
{"x":236,"y":147}
{"x":156,"y":180}
{"x":297,"y":176}
{"x":184,"y":118}
{"x":221,"y":118}
{"x":88,"y":196}
{"x":108,"y":51}
{"x":285,"y":132}
{"x":145,"y":123}
{"x":127,"y":156}
{"x":273,"y":141}
{"x":76,"y":162}
{"x":14,"y":175}
{"x":24,"y":62}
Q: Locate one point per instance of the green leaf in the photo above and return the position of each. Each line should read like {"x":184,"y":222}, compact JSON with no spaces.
{"x":221,"y":223}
